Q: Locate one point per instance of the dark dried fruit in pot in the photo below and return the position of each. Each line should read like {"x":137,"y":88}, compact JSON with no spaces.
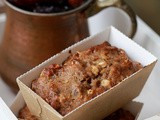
{"x":50,"y":8}
{"x":75,"y":3}
{"x":47,"y":6}
{"x":29,"y":2}
{"x":23,"y":2}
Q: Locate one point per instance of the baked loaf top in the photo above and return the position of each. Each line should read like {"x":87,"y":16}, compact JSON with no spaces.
{"x":83,"y":76}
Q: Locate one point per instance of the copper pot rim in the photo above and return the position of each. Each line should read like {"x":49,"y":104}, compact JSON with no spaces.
{"x":80,"y":8}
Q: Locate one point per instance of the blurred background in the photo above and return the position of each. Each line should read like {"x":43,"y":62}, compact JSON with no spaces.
{"x":148,"y":11}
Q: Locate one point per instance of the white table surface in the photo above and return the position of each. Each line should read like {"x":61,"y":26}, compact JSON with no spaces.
{"x":150,"y":94}
{"x":5,"y":92}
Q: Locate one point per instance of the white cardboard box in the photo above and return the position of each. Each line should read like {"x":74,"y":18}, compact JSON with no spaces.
{"x":108,"y":101}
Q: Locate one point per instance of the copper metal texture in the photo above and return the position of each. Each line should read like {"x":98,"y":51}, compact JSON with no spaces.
{"x":30,"y":38}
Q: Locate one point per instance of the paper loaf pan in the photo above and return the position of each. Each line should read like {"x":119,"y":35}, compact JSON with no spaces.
{"x":103,"y":104}
{"x":133,"y":106}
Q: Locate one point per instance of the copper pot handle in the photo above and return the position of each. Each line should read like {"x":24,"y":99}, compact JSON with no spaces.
{"x":2,"y":6}
{"x":98,"y":5}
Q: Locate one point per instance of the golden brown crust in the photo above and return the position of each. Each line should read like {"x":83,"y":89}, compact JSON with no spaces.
{"x":83,"y":76}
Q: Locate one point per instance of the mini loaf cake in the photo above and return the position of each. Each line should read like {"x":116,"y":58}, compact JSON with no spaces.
{"x":83,"y":76}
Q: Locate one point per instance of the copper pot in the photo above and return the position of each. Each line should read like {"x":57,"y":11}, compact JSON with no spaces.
{"x":30,"y":38}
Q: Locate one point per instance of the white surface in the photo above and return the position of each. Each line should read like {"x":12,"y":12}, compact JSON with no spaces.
{"x":154,"y":118}
{"x":150,"y":95}
{"x":147,"y":38}
{"x":5,"y":92}
{"x":5,"y":112}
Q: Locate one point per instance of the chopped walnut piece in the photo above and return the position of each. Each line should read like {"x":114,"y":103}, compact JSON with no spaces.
{"x":90,"y":91}
{"x":94,"y":70}
{"x":106,"y":83}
